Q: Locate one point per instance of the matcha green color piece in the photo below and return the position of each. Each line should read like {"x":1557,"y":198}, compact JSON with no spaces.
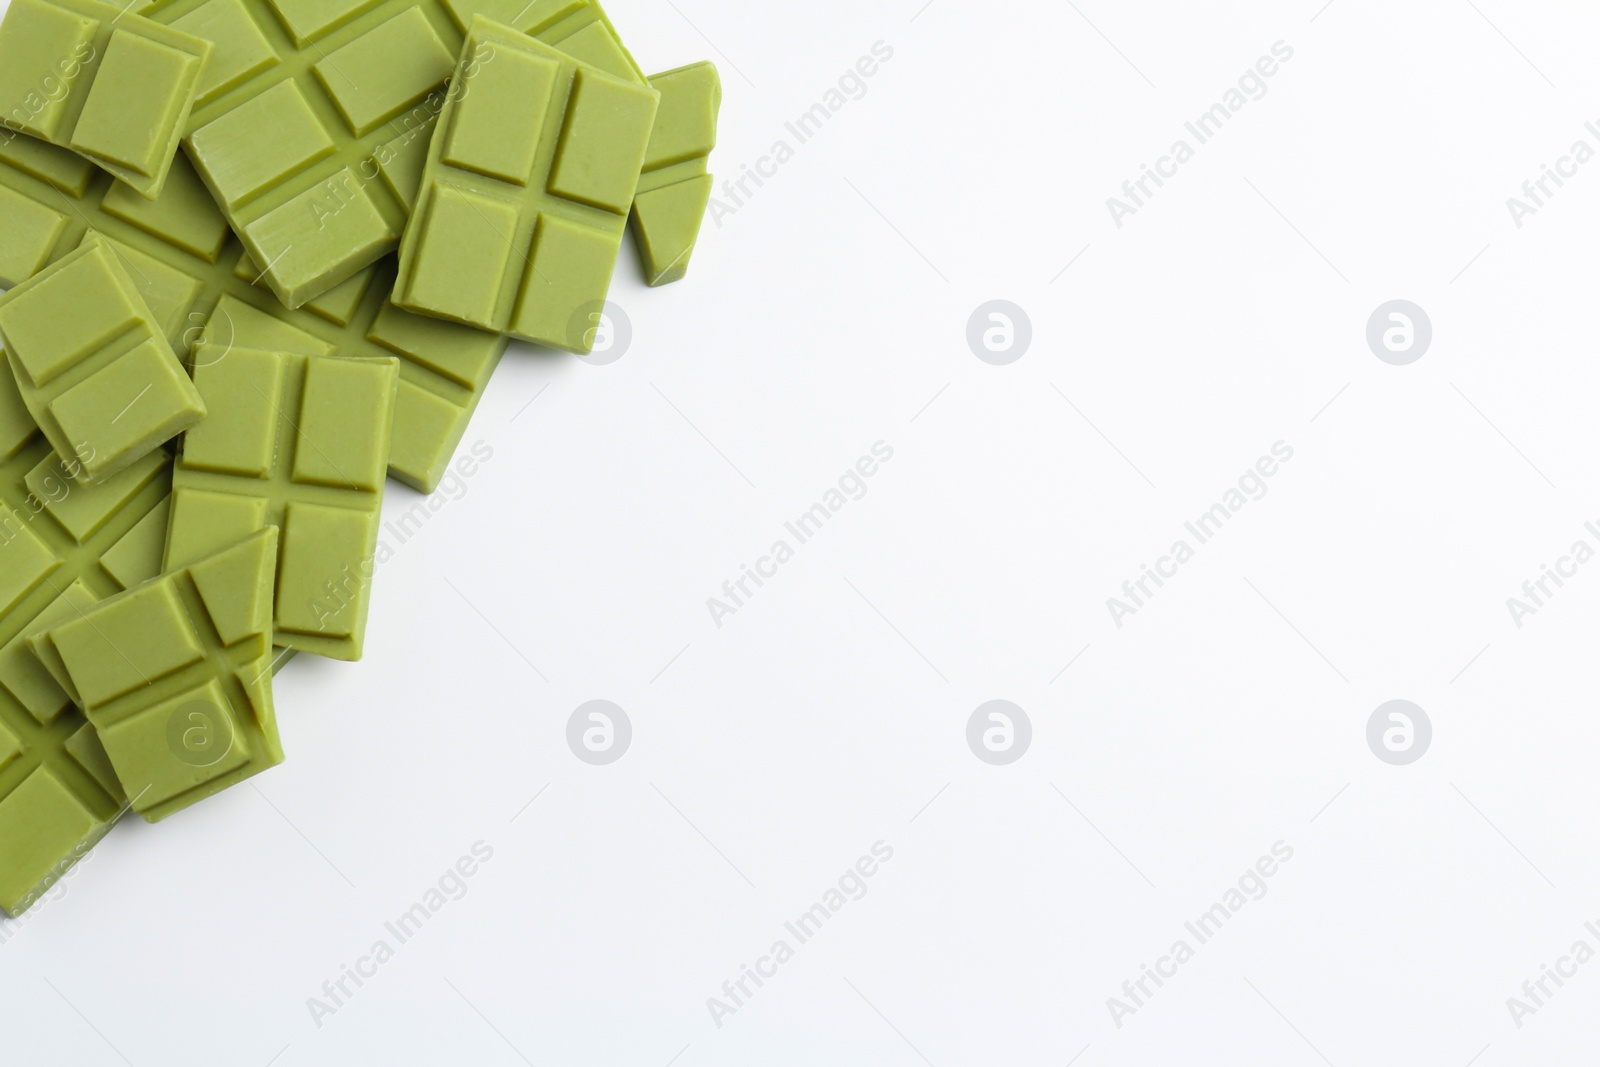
{"x":93,"y":365}
{"x":62,"y":548}
{"x":175,"y":676}
{"x":198,"y":280}
{"x":115,"y":87}
{"x":297,"y":442}
{"x":674,"y":188}
{"x":526,"y":191}
{"x":581,"y":29}
{"x":314,"y":116}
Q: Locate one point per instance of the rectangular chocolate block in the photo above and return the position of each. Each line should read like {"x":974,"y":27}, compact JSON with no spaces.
{"x":113,"y":86}
{"x":197,"y":279}
{"x":526,"y":191}
{"x":93,"y":365}
{"x":62,"y":548}
{"x":350,"y":91}
{"x":297,"y":442}
{"x":175,"y":676}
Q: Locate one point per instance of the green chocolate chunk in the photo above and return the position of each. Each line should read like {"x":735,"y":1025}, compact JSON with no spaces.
{"x":62,"y":547}
{"x":581,"y":30}
{"x":674,"y":188}
{"x":295,"y":198}
{"x":115,"y":87}
{"x":52,"y":810}
{"x":298,"y":442}
{"x":526,"y":191}
{"x":350,"y":91}
{"x":93,"y":365}
{"x":444,"y":366}
{"x":175,"y":676}
{"x":199,"y":282}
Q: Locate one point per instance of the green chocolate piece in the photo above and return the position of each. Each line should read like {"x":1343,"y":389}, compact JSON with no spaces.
{"x":581,"y":30}
{"x":444,"y":366}
{"x":93,"y":365}
{"x":674,"y":188}
{"x":198,"y":280}
{"x":115,"y":87}
{"x":315,"y":115}
{"x":298,"y":442}
{"x":526,"y":191}
{"x":62,"y":547}
{"x":175,"y":677}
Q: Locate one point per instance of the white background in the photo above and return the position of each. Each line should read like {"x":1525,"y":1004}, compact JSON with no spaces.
{"x":828,"y":313}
